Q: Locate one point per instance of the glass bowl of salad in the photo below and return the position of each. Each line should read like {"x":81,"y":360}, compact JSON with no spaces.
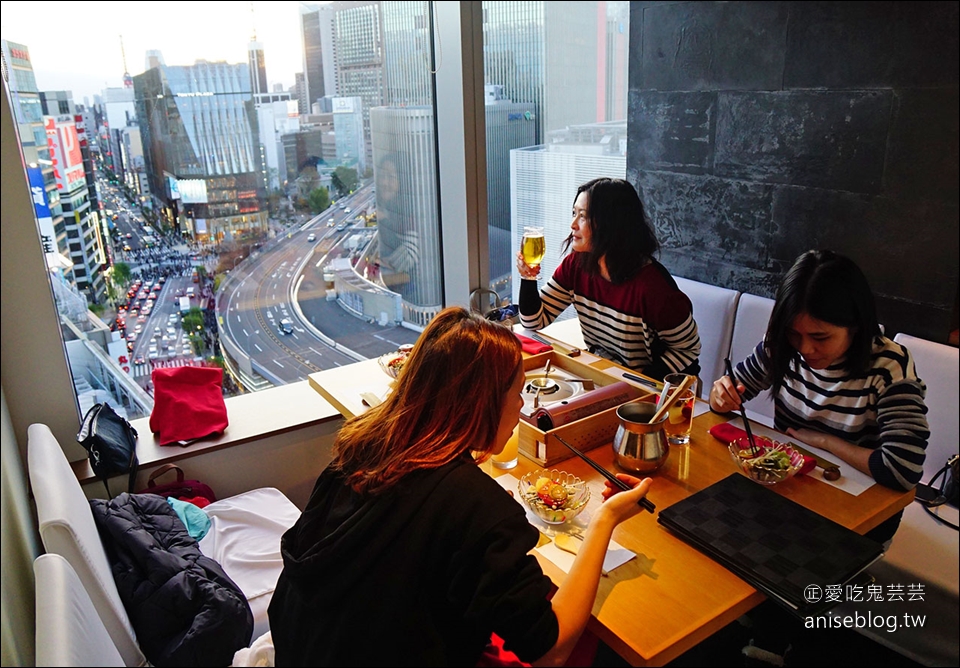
{"x":554,"y":496}
{"x":769,"y":463}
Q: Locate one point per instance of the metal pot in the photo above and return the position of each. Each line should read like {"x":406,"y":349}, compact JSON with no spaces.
{"x":639,"y":445}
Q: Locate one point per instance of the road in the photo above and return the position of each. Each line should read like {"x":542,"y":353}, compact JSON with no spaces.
{"x":258,"y":296}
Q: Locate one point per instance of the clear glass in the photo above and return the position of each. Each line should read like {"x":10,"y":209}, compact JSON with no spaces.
{"x":679,"y":420}
{"x":510,"y":455}
{"x":533,"y":246}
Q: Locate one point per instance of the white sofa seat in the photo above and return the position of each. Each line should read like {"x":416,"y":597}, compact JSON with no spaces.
{"x":714,"y":309}
{"x":244,"y":537}
{"x":69,"y":630}
{"x":749,"y":328}
{"x":924,"y":551}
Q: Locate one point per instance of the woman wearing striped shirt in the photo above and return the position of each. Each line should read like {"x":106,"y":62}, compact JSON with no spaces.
{"x":838,"y":384}
{"x":630,"y":308}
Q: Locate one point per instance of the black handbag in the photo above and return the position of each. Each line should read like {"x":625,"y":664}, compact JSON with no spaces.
{"x":111,"y":442}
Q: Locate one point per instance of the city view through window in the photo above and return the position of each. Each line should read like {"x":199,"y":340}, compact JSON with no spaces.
{"x":272,"y":207}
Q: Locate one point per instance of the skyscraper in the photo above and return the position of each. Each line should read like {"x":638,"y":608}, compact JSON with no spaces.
{"x":201,"y":147}
{"x":258,"y":68}
{"x":81,"y":220}
{"x":316,"y":29}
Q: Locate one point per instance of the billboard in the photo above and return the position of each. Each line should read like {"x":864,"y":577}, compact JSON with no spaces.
{"x":48,"y":238}
{"x":192,"y":191}
{"x":64,"y":146}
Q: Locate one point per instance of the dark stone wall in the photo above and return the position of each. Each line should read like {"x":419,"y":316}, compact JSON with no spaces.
{"x":759,"y":130}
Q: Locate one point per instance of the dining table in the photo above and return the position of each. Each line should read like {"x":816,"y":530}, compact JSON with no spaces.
{"x":671,"y":596}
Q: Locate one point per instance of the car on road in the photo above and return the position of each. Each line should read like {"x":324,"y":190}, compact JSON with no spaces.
{"x":347,"y":210}
{"x":139,"y":360}
{"x":311,"y":237}
{"x":342,"y":226}
{"x":286,"y":326}
{"x":330,"y":222}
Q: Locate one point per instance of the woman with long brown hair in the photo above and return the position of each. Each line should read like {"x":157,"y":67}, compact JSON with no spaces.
{"x":408,"y":553}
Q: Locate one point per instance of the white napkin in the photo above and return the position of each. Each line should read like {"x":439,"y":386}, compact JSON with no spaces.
{"x":617,"y":554}
{"x":851,"y":480}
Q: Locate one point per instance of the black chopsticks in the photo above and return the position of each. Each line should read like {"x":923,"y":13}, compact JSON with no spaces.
{"x":743,"y":411}
{"x":642,"y":381}
{"x":644,"y":503}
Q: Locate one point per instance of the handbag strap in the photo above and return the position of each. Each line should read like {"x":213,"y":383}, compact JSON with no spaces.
{"x":161,"y":470}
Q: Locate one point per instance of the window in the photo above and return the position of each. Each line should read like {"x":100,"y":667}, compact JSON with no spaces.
{"x":229,"y":180}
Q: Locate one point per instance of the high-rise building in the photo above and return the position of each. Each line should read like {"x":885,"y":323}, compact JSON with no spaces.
{"x":119,"y":112}
{"x":276,"y":119}
{"x":554,"y":55}
{"x":75,"y":178}
{"x":348,"y":131}
{"x":28,"y":110}
{"x":316,"y":29}
{"x":201,"y":148}
{"x":407,"y":59}
{"x":258,"y":68}
{"x":545,"y":179}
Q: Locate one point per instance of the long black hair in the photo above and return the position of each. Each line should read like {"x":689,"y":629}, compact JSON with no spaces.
{"x":829,"y":287}
{"x":619,"y":229}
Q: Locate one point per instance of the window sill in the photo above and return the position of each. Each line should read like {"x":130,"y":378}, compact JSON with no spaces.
{"x":251,"y":417}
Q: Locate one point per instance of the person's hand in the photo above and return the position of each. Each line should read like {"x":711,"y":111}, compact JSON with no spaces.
{"x":624,"y":504}
{"x":526,"y":271}
{"x":811,"y":437}
{"x":725,"y":396}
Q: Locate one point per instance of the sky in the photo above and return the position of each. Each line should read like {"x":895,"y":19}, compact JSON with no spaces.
{"x":82,"y":51}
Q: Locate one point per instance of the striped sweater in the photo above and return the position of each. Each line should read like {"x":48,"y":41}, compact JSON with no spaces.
{"x":882,"y":409}
{"x":645,"y":323}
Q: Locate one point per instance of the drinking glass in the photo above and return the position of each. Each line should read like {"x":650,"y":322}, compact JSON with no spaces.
{"x":509,"y":456}
{"x":680,"y":417}
{"x":533,"y":246}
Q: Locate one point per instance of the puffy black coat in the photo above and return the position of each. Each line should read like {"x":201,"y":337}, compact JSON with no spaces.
{"x":185,"y":610}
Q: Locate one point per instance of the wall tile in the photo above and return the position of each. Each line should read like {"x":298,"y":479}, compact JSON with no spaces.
{"x":672,"y":131}
{"x":829,"y":139}
{"x":922,"y":153}
{"x":713,"y":46}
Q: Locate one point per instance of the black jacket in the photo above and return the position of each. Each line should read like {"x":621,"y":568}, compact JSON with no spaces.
{"x":419,"y":575}
{"x":183,"y":607}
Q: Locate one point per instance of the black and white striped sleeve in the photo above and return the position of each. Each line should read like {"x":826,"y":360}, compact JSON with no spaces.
{"x":681,"y":345}
{"x":901,"y":417}
{"x":754,"y":373}
{"x":538,"y":308}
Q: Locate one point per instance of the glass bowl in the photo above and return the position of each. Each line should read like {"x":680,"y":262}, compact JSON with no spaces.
{"x":554,"y":496}
{"x":775,"y":462}
{"x":391,"y":363}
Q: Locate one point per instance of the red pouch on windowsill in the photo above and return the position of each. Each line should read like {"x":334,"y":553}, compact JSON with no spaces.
{"x":187,"y":403}
{"x":727,"y":433}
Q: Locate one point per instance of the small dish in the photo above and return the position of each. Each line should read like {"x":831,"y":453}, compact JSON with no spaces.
{"x":554,"y":496}
{"x":774,"y":462}
{"x":392,"y":363}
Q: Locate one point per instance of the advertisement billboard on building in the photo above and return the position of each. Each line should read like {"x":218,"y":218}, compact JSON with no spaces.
{"x":192,"y":191}
{"x":41,"y":207}
{"x":65,"y":152}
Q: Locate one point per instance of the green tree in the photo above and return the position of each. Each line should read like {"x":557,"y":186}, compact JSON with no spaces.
{"x":121,"y":273}
{"x":192,"y":321}
{"x":344,"y":179}
{"x":319,"y":199}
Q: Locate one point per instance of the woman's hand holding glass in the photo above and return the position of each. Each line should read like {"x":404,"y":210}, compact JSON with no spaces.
{"x":532,"y":249}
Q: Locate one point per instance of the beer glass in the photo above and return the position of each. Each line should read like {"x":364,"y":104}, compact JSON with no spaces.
{"x":533,"y":246}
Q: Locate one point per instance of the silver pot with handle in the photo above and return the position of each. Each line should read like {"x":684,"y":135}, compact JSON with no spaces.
{"x":640,"y":445}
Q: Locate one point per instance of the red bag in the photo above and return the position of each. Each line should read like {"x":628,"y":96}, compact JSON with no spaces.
{"x":194,"y":491}
{"x":187,"y":403}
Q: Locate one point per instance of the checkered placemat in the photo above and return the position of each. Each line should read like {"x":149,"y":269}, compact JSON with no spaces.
{"x":775,"y":544}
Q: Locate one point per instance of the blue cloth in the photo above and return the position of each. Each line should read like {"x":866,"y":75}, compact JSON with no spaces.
{"x":196,"y":521}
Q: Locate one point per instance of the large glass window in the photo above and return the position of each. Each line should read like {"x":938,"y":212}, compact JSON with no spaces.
{"x":187,"y":219}
{"x":555,"y":76}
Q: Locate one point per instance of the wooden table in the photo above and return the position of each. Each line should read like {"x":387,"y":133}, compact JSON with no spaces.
{"x":671,"y":597}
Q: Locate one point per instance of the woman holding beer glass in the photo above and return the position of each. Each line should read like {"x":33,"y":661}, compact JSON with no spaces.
{"x":407,"y":552}
{"x":630,"y":308}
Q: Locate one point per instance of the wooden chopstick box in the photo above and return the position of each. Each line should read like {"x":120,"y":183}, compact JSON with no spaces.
{"x":584,"y":434}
